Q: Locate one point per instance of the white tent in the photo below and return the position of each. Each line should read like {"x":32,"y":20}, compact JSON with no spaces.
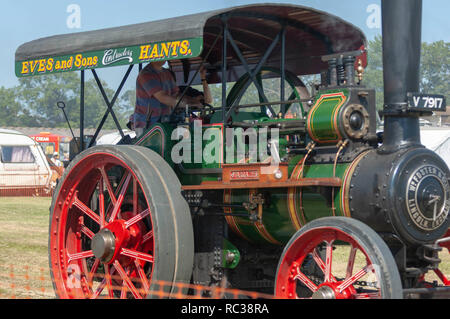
{"x":438,"y":140}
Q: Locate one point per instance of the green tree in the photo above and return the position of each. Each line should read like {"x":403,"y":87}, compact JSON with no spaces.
{"x":37,"y":97}
{"x":40,"y":94}
{"x":10,"y":110}
{"x":434,"y":68}
{"x":373,"y":75}
{"x":95,"y":107}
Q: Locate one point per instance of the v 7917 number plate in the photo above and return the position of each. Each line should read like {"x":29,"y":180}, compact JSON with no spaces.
{"x":426,"y":102}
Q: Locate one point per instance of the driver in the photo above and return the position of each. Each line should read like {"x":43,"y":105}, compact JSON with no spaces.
{"x":157,"y":94}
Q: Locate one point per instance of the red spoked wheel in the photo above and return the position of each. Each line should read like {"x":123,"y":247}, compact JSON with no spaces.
{"x":337,"y":258}
{"x":115,"y":227}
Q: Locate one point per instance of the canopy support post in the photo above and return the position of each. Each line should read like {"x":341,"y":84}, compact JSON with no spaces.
{"x":283,"y":70}
{"x":224,"y":71}
{"x":82,"y":112}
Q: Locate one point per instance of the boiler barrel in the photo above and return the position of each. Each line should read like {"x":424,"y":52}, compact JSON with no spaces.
{"x":285,"y":210}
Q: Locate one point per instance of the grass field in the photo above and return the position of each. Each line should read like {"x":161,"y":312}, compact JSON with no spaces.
{"x":23,"y":249}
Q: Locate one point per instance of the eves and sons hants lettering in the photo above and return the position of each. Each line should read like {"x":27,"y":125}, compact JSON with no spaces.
{"x":111,"y":57}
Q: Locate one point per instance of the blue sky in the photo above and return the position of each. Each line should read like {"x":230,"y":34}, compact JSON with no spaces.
{"x":25,"y":20}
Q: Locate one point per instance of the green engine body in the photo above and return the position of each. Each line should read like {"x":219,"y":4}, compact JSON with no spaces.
{"x":337,"y":115}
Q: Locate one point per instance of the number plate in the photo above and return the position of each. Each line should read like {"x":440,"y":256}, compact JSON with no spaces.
{"x":244,"y":175}
{"x":426,"y":102}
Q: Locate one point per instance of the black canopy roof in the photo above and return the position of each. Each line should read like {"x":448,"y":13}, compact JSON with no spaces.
{"x":310,"y":34}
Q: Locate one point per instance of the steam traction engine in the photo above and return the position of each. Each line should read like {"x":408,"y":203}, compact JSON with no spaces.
{"x":346,"y":212}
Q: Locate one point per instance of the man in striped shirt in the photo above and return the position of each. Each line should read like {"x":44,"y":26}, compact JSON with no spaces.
{"x":156,"y":95}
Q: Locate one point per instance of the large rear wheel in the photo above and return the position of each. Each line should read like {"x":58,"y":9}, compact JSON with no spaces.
{"x":119,"y":227}
{"x":337,"y":258}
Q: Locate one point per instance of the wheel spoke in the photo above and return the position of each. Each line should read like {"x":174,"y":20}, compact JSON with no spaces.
{"x":93,"y":271}
{"x":120,"y":198}
{"x":137,"y":218}
{"x":321,"y":264}
{"x":346,"y":283}
{"x":101,"y":200}
{"x":123,"y":291}
{"x":148,"y":236}
{"x":102,"y":284}
{"x":318,"y":260}
{"x":142,"y":275}
{"x":84,"y":229}
{"x":108,"y":185}
{"x":328,"y":261}
{"x":126,"y":280}
{"x":351,"y":262}
{"x":86,"y":210}
{"x":442,"y":277}
{"x":305,"y":280}
{"x":109,"y":282}
{"x":99,"y":289}
{"x":78,"y":256}
{"x":87,"y":231}
{"x":137,"y":255}
{"x":135,"y":197}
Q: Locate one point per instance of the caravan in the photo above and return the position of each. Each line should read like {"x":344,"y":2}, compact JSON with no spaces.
{"x":24,"y":169}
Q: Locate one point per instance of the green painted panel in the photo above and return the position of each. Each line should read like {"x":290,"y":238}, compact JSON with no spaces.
{"x":315,"y":204}
{"x":323,"y":117}
{"x":204,"y":150}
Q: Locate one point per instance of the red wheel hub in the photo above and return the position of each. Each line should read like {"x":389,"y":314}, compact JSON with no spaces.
{"x":109,"y":242}
{"x":103,"y":246}
{"x":331,"y":290}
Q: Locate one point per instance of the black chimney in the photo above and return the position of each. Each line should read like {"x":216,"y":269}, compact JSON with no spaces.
{"x":402,"y":30}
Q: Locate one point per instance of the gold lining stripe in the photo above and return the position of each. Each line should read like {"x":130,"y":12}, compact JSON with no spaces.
{"x":149,"y":135}
{"x":294,"y":215}
{"x":231,"y":219}
{"x":345,"y":189}
{"x":259,"y":225}
{"x":265,"y":234}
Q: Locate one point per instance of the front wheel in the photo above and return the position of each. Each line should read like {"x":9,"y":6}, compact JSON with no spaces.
{"x":337,"y":258}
